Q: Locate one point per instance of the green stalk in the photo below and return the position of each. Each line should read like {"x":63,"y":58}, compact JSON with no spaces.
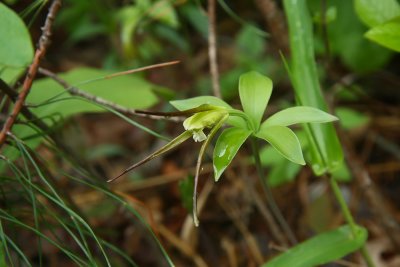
{"x":268,"y":193}
{"x":349,"y":218}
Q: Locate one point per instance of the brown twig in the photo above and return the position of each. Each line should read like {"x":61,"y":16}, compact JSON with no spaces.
{"x":76,"y":92}
{"x":44,"y":42}
{"x":159,"y":65}
{"x":13,"y":95}
{"x":212,"y":48}
{"x":275,"y":21}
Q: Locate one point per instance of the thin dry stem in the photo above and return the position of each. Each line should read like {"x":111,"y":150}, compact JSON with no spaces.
{"x":159,"y":65}
{"x":77,"y":92}
{"x":212,"y":48}
{"x":44,"y":42}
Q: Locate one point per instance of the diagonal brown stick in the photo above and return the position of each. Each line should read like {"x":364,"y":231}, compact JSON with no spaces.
{"x":212,"y":48}
{"x":44,"y":42}
{"x":77,"y":92}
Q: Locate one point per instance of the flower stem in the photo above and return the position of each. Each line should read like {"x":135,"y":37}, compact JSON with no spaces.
{"x":268,"y":193}
{"x":349,"y":218}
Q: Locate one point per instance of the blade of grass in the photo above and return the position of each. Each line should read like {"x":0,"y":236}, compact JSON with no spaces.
{"x":55,"y":197}
{"x":84,"y":247}
{"x":16,"y":249}
{"x":5,"y":216}
{"x":4,"y":243}
{"x":126,"y":205}
{"x":326,"y":152}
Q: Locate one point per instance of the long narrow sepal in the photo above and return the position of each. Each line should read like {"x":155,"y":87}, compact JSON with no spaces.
{"x":210,"y":136}
{"x":175,"y":142}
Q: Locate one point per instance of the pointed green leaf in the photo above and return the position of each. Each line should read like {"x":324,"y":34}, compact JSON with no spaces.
{"x":284,"y":141}
{"x":197,"y":101}
{"x":374,"y":13}
{"x":227,"y":146}
{"x":254,"y":91}
{"x":301,"y":114}
{"x":324,"y":146}
{"x":321,"y":249}
{"x":387,"y":34}
{"x":16,"y":49}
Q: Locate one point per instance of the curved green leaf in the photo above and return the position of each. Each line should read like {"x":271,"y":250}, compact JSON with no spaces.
{"x":227,"y":146}
{"x":284,"y":141}
{"x":197,"y":101}
{"x":374,"y":13}
{"x":321,"y":249}
{"x":254,"y":91}
{"x":387,"y":34}
{"x":16,"y":50}
{"x":301,"y":114}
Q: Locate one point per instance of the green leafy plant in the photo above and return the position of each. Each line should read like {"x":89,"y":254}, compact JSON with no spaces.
{"x":383,"y":18}
{"x":322,"y":249}
{"x":208,"y":112}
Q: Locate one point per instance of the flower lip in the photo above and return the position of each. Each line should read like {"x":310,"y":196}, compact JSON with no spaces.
{"x":204,"y":119}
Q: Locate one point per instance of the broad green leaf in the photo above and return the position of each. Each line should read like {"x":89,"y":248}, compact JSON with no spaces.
{"x":374,"y":13}
{"x":254,"y":91}
{"x":299,"y":114}
{"x":387,"y":34}
{"x":16,"y":50}
{"x":322,"y":249}
{"x":325,"y":149}
{"x":227,"y":146}
{"x":284,"y":141}
{"x":128,"y":91}
{"x":346,"y":36}
{"x":210,"y":100}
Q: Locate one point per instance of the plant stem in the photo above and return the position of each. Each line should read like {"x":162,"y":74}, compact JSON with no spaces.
{"x":349,"y":218}
{"x":268,"y":193}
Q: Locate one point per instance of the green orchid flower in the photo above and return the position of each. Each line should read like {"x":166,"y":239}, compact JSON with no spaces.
{"x":208,"y":112}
